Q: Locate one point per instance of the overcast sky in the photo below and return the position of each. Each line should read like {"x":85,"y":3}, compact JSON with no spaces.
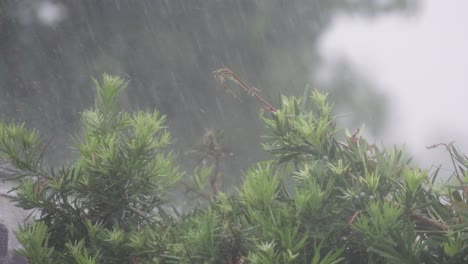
{"x":421,"y":63}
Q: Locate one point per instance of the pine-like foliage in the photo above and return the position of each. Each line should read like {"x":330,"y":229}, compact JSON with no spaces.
{"x":87,"y":211}
{"x":321,"y":200}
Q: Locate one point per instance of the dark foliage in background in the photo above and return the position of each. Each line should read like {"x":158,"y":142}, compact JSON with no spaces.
{"x":168,"y":50}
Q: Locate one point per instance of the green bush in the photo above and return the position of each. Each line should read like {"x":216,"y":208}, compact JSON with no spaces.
{"x":320,"y":200}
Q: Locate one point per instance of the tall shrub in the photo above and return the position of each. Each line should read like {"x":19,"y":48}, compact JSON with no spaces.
{"x":86,"y":211}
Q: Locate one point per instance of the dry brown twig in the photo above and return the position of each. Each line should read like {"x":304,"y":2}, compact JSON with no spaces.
{"x":224,"y":74}
{"x":431,"y":222}
{"x":457,"y":174}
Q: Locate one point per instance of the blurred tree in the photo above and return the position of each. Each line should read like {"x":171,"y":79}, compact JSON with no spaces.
{"x":168,"y":50}
{"x":356,"y":99}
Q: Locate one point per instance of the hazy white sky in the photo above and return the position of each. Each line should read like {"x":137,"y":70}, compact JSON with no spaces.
{"x":421,"y":63}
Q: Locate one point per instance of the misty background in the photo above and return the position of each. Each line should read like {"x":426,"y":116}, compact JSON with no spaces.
{"x":397,"y":66}
{"x":420,"y":64}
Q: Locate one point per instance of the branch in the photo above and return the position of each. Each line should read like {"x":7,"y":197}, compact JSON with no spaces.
{"x":192,"y":189}
{"x":353,"y":217}
{"x":8,"y":196}
{"x":457,"y":174}
{"x":214,"y":177}
{"x":431,"y":222}
{"x":222,"y":74}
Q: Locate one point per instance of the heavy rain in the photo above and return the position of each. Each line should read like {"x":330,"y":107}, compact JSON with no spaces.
{"x":393,"y":70}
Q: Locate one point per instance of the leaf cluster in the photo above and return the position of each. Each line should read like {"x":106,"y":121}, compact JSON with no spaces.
{"x":88,"y":210}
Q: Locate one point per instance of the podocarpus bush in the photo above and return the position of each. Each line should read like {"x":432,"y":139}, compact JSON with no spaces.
{"x":320,"y":200}
{"x":87,"y":211}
